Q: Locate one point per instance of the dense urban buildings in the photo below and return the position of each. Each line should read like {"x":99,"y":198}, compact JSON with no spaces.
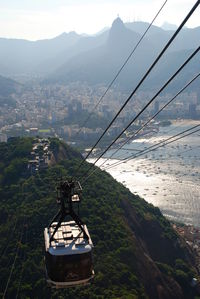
{"x":61,"y":110}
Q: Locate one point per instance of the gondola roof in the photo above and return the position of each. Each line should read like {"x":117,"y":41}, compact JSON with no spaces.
{"x":68,"y":240}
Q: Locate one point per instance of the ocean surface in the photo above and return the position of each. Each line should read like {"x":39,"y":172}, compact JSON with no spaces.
{"x":169,"y":177}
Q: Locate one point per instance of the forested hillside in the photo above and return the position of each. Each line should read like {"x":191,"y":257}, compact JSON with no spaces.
{"x":136,"y":255}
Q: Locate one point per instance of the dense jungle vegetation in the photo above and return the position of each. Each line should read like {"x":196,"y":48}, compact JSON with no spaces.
{"x":28,"y":203}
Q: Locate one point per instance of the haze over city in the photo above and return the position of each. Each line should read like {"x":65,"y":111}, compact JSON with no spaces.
{"x":37,"y":19}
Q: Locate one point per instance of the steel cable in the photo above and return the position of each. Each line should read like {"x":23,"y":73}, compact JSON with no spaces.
{"x":144,"y":77}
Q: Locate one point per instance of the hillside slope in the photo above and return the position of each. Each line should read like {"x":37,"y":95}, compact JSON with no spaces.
{"x":7,"y":86}
{"x":136,"y":255}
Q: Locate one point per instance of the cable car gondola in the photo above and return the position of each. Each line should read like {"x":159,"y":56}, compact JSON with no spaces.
{"x":68,"y":246}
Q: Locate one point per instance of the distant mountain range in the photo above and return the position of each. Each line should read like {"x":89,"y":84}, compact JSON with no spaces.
{"x":96,"y":59}
{"x":100,"y":64}
{"x":22,"y":56}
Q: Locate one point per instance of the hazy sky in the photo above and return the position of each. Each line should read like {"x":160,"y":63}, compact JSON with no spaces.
{"x":38,"y":19}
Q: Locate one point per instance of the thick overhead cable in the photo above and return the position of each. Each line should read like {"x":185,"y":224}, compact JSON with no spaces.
{"x":154,"y":97}
{"x":139,"y":152}
{"x":157,"y":145}
{"x":150,"y":148}
{"x":121,"y":68}
{"x":173,"y":155}
{"x":150,"y":119}
{"x":144,"y":77}
{"x":187,"y":150}
{"x":144,"y":108}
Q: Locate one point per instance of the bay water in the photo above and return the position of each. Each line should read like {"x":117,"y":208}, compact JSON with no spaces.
{"x":169,"y":177}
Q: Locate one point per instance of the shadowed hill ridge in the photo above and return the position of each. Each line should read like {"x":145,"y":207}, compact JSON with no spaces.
{"x":7,"y":86}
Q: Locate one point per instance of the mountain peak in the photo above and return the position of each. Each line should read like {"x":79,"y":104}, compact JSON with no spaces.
{"x":117,"y":24}
{"x":117,"y":30}
{"x":119,"y":35}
